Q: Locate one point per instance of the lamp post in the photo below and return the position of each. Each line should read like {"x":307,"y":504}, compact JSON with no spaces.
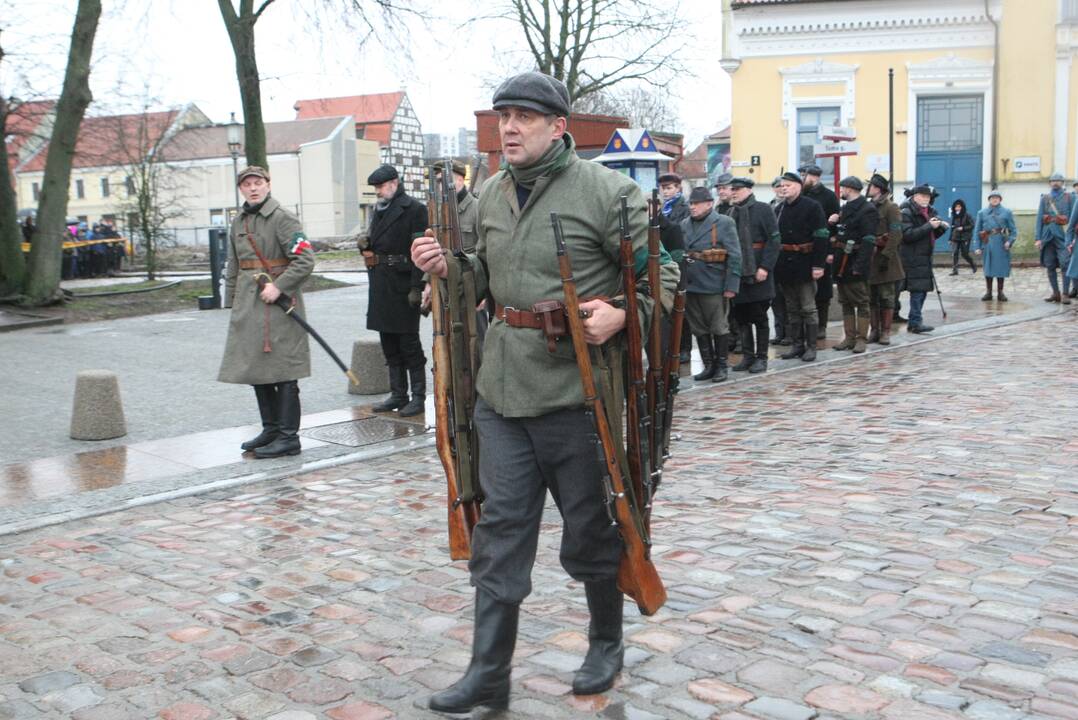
{"x":234,"y":144}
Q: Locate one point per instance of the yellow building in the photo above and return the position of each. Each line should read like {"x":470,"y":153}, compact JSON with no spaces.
{"x":985,"y":91}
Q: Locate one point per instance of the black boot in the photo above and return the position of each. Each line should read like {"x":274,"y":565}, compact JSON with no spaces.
{"x":606,"y":652}
{"x":759,"y":365}
{"x":287,"y":442}
{"x":686,"y":348}
{"x":722,"y":349}
{"x":398,"y":390}
{"x":747,"y":357}
{"x":797,"y":349}
{"x":267,"y":408}
{"x":707,"y":355}
{"x":418,"y":377}
{"x":810,"y":342}
{"x":486,"y":682}
{"x":823,"y":310}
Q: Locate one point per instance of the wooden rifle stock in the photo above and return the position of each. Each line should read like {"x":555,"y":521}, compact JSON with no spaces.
{"x":637,"y":419}
{"x":658,"y":404}
{"x":637,"y":576}
{"x":673,"y":361}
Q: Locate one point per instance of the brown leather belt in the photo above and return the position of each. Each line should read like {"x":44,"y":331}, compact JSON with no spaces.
{"x":805,"y":248}
{"x":1055,"y":219}
{"x":371,"y":259}
{"x":257,"y":264}
{"x":513,"y":317}
{"x":549,"y":316}
{"x":710,"y":255}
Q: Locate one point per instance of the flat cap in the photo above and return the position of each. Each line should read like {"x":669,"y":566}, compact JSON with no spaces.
{"x":700,"y":195}
{"x":458,"y":167}
{"x":385,"y":173}
{"x":724,"y":179}
{"x":742,"y":182}
{"x":791,"y":177}
{"x":879,"y":181}
{"x":535,"y":91}
{"x":252,"y":171}
{"x":995,"y":193}
{"x":1056,"y":177}
{"x":669,"y":178}
{"x":852,"y":182}
{"x":810,"y":169}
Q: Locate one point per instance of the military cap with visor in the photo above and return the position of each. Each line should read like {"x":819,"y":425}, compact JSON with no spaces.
{"x":385,"y":173}
{"x":535,"y":91}
{"x":252,"y":171}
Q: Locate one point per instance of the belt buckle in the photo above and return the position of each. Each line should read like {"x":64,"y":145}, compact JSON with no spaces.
{"x":506,"y":309}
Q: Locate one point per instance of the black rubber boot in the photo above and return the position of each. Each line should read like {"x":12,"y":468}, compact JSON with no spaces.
{"x":810,"y":342}
{"x":267,"y":409}
{"x":418,"y":378}
{"x":707,"y":355}
{"x":486,"y":682}
{"x":759,"y":365}
{"x":722,"y":350}
{"x":288,"y":414}
{"x":747,"y":357}
{"x":606,"y":652}
{"x":398,"y":390}
{"x":797,"y":349}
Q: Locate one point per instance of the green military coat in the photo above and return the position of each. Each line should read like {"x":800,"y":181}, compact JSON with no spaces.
{"x":517,"y":260}
{"x":265,"y":345}
{"x":886,"y":262}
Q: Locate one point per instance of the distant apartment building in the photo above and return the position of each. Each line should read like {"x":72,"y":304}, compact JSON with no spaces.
{"x":461,"y":144}
{"x":386,"y":118}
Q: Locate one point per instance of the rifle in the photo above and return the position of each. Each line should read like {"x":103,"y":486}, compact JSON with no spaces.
{"x":673,"y":362}
{"x":637,"y":420}
{"x":658,"y":403}
{"x":454,"y":364}
{"x":637,"y":576}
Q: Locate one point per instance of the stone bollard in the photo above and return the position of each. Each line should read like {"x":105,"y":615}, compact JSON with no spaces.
{"x":369,"y":366}
{"x":98,"y":412}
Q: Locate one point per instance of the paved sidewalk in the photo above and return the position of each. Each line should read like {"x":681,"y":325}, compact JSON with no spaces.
{"x":888,"y":538}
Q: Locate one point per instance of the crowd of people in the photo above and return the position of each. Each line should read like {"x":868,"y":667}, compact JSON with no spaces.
{"x":82,"y":257}
{"x":741,"y":258}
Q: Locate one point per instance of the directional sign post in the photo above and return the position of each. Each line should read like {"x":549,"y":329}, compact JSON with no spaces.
{"x":837,"y":143}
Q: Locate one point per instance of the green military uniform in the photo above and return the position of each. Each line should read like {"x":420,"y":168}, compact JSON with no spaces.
{"x":886,"y":268}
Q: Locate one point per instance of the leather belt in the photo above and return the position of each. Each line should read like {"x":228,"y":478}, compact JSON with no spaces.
{"x":257,"y":264}
{"x":371,"y":259}
{"x":711,"y":255}
{"x":513,"y":317}
{"x":805,"y":248}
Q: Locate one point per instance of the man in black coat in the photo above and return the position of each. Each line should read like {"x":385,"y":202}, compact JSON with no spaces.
{"x":804,"y":235}
{"x":855,"y":227}
{"x":813,"y":188}
{"x":675,"y":208}
{"x":759,"y":237}
{"x":921,"y":226}
{"x":395,"y":288}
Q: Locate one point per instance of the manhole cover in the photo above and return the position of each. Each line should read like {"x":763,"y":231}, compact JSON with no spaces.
{"x":366,"y":431}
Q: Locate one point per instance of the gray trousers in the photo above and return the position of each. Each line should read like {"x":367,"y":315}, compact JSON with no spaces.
{"x":800,"y":302}
{"x":521,"y":459}
{"x":853,"y":296}
{"x":707,"y":314}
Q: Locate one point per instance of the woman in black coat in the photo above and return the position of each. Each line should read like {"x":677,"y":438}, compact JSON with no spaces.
{"x":961,"y":234}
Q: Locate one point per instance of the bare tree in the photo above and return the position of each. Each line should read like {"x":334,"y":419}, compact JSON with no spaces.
{"x":594,"y":45}
{"x":368,"y":16}
{"x":43,"y":277}
{"x":643,"y":107}
{"x":12,"y":263}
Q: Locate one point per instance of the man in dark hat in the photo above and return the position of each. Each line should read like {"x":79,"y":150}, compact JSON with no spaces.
{"x":265,"y":347}
{"x":712,"y":277}
{"x":886,"y":269}
{"x":855,"y":232}
{"x":534,"y":431}
{"x":815,"y":189}
{"x":722,"y":190}
{"x":395,"y":289}
{"x":758,"y":236}
{"x":804,"y":235}
{"x":921,"y":225}
{"x":1050,"y":236}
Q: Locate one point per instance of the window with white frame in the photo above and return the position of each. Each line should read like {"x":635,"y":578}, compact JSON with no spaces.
{"x":809,"y":122}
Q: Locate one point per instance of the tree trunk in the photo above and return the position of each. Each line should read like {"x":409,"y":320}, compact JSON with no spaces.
{"x":12,"y":263}
{"x":46,"y":252}
{"x":241,"y":31}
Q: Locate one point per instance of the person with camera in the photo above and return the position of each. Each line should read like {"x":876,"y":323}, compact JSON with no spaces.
{"x":855,"y":241}
{"x":921,"y":225}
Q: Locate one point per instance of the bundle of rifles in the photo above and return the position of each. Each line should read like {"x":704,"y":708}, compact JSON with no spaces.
{"x":630,"y":460}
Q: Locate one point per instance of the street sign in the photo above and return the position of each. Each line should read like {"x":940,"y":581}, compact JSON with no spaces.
{"x":1027,"y":164}
{"x":837,"y":133}
{"x":836,"y":149}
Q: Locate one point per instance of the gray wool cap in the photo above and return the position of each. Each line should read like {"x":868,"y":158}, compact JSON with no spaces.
{"x":852,"y":182}
{"x":535,"y":91}
{"x":724,"y":179}
{"x":385,"y":173}
{"x":742,"y":182}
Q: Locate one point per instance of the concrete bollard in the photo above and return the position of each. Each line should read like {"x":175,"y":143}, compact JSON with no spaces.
{"x":98,"y":412}
{"x":369,"y":365}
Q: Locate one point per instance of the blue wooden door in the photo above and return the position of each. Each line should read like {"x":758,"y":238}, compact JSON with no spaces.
{"x":950,"y":155}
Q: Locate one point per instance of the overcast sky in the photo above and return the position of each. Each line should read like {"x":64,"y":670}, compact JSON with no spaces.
{"x":179,"y":50}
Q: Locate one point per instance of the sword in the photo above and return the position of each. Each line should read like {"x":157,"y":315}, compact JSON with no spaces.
{"x":285,"y":303}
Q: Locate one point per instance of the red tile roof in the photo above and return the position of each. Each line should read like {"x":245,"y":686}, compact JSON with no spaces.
{"x":22,"y":125}
{"x":379,"y":107}
{"x":112,"y":140}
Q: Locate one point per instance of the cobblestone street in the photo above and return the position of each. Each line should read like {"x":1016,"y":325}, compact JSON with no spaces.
{"x":892,"y":537}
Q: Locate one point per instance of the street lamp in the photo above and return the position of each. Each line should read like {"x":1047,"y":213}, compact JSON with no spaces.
{"x":235,"y":142}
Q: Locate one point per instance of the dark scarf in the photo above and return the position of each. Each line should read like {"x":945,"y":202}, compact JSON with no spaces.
{"x":250,"y":209}
{"x":742,"y":215}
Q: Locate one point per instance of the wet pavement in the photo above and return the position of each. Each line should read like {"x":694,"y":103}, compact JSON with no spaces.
{"x":894,"y":536}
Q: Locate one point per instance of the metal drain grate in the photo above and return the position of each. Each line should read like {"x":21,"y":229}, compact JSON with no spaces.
{"x":366,"y":431}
